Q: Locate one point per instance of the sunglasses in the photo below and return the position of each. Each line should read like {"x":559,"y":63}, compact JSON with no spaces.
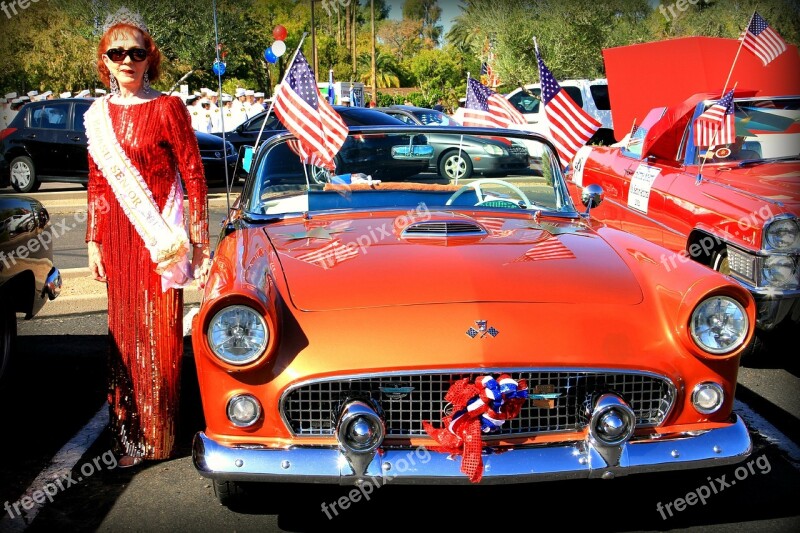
{"x":118,"y":54}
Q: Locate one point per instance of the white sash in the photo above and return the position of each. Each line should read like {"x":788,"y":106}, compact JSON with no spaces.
{"x":164,"y":234}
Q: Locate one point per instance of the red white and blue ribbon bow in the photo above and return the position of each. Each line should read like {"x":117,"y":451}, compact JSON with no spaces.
{"x":479,"y":407}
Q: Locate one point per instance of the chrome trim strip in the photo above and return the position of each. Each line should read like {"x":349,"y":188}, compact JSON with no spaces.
{"x":673,"y":390}
{"x":520,"y":464}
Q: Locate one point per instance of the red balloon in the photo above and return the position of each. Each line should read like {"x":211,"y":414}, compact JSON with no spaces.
{"x":279,"y":33}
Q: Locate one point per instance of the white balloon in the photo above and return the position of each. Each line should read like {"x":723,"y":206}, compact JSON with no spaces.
{"x":278,"y":48}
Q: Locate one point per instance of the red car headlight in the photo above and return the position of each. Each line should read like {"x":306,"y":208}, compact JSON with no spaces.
{"x":719,"y":325}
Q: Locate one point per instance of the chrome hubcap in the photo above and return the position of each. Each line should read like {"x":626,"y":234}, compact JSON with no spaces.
{"x":20,"y":174}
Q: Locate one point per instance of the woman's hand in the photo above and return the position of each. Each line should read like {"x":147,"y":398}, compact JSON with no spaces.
{"x":201,"y":264}
{"x":96,"y":267}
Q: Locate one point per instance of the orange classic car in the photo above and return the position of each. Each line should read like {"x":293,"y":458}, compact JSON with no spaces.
{"x":733,"y":206}
{"x":367,"y":327}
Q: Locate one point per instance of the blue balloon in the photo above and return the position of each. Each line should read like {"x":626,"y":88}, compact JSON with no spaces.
{"x":218,"y":68}
{"x":270,"y":56}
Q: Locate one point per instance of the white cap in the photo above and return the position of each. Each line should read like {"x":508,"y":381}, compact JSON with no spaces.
{"x":100,"y":91}
{"x":227,"y":98}
{"x":31,"y":94}
{"x":249,"y":92}
{"x":25,"y":97}
{"x":259,"y":95}
{"x":45,"y":94}
{"x":65,"y":94}
{"x":345,"y":98}
{"x":204,"y":90}
{"x":10,"y":96}
{"x":212,"y":93}
{"x":84,"y":93}
{"x":240,"y":92}
{"x":16,"y":100}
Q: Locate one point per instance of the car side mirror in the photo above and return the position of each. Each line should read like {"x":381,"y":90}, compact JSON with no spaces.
{"x":592,"y":196}
{"x":246,"y":158}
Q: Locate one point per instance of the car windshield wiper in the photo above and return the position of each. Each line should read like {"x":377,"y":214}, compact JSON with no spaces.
{"x":749,"y":162}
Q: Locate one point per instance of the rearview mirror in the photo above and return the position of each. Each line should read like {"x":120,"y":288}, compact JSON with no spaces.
{"x":414,"y":151}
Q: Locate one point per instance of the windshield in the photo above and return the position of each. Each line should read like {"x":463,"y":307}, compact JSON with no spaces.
{"x":403,"y":167}
{"x":765,"y":129}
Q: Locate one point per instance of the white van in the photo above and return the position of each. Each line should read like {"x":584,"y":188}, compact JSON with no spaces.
{"x":591,"y":95}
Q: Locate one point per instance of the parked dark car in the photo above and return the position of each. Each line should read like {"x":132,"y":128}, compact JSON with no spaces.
{"x":462,"y":156}
{"x":46,"y":142}
{"x":247,"y":132}
{"x":27,"y":275}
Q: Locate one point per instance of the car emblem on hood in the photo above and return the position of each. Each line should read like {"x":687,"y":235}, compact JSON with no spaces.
{"x":396,"y":391}
{"x":482,"y":330}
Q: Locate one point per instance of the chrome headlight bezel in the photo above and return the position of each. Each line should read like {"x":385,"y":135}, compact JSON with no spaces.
{"x":238,"y":400}
{"x":255,"y":329}
{"x":782,"y":234}
{"x":719,"y":325}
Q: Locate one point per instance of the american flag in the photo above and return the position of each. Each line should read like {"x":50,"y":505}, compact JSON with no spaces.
{"x":300,"y":107}
{"x":570,"y":126}
{"x":717,"y":124}
{"x":486,"y":108}
{"x":550,"y":248}
{"x":762,"y":40}
{"x":329,"y":255}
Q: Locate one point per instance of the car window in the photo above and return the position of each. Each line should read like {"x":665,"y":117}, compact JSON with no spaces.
{"x":356,"y":116}
{"x":404,"y":118}
{"x":80,"y":110}
{"x":575,"y":94}
{"x":600,"y":97}
{"x":272,"y":124}
{"x":50,"y":116}
{"x":526,"y":102}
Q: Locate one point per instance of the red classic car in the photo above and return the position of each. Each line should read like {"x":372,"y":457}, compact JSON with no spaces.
{"x":420,"y":329}
{"x":733,"y":207}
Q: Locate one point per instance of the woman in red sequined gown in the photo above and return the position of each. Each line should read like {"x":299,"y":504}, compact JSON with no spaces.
{"x":145,"y":323}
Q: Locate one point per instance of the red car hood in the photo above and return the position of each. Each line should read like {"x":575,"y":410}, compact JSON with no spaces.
{"x":364,"y":263}
{"x":778,"y":181}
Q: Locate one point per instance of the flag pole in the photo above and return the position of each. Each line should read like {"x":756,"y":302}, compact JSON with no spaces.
{"x":272,"y":104}
{"x":741,"y":43}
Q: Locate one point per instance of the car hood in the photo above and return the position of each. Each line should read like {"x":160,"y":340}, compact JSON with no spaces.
{"x":777,"y":181}
{"x":207,"y":141}
{"x":362,"y":263}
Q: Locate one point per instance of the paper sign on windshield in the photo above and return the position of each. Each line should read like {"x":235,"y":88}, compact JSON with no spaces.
{"x":641,"y":182}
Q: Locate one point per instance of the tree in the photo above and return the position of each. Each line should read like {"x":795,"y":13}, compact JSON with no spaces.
{"x":429,"y":12}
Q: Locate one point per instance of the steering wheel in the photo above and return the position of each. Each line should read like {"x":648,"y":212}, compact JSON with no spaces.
{"x":476,"y":186}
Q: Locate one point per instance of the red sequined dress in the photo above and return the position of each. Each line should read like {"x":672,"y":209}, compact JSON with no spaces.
{"x":145,"y":325}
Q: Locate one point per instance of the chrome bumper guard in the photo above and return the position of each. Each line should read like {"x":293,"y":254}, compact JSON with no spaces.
{"x":52,"y":285}
{"x":520,"y":464}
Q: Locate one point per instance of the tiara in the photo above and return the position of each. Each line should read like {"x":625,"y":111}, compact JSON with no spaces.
{"x":125,"y":16}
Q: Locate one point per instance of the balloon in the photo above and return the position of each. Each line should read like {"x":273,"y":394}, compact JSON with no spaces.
{"x":218,"y":68}
{"x":279,"y":33}
{"x":278,"y":48}
{"x":270,"y":56}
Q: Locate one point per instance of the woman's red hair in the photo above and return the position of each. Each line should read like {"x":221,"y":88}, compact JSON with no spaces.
{"x":126,"y":30}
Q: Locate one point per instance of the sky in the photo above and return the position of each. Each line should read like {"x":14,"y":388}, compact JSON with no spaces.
{"x":450,"y":10}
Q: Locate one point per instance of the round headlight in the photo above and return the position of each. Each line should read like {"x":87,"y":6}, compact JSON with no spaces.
{"x":719,"y":324}
{"x":238,"y":335}
{"x":783,"y":234}
{"x":244,"y":410}
{"x":780,"y":271}
{"x":707,"y":398}
{"x":493,"y":149}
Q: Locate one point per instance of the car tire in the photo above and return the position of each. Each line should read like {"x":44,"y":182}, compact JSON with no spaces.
{"x":451,"y":162}
{"x":229,"y":493}
{"x":8,"y":335}
{"x":23,"y":175}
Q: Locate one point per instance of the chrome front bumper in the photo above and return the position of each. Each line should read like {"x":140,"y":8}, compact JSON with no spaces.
{"x":521,"y":464}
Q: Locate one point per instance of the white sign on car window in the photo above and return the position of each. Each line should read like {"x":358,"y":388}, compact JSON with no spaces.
{"x":641,"y":183}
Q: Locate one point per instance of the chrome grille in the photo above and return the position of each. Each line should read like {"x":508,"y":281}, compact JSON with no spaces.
{"x":408,"y":399}
{"x":443,"y":228}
